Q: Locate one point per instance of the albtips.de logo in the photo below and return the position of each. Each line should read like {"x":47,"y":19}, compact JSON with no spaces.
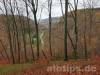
{"x":73,"y":68}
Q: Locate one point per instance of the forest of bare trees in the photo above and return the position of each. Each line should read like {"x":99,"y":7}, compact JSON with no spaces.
{"x":23,"y":33}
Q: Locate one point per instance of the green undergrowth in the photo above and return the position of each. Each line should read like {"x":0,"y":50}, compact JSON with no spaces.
{"x":14,"y":68}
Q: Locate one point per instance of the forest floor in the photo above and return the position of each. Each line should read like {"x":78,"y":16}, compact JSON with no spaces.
{"x":43,"y":67}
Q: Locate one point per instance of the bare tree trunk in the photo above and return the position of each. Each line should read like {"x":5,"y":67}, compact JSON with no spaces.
{"x":37,"y":33}
{"x":8,"y":31}
{"x":5,"y":50}
{"x":34,"y":11}
{"x":76,"y":30}
{"x":91,"y":14}
{"x":16,"y":30}
{"x":50,"y":23}
{"x":67,"y":28}
{"x":30,"y":38}
{"x":23,"y":32}
{"x":65,"y":31}
{"x":62,"y":8}
{"x":85,"y":43}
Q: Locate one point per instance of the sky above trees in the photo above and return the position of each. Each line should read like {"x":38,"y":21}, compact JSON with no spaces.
{"x":56,"y":8}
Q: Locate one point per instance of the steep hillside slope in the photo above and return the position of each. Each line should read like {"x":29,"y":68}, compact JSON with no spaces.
{"x":22,"y":30}
{"x":58,"y":34}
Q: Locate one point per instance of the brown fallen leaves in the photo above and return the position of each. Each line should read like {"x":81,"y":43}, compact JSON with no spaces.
{"x":41,"y":68}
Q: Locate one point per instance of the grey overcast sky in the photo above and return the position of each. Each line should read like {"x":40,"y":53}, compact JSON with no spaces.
{"x":56,"y":8}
